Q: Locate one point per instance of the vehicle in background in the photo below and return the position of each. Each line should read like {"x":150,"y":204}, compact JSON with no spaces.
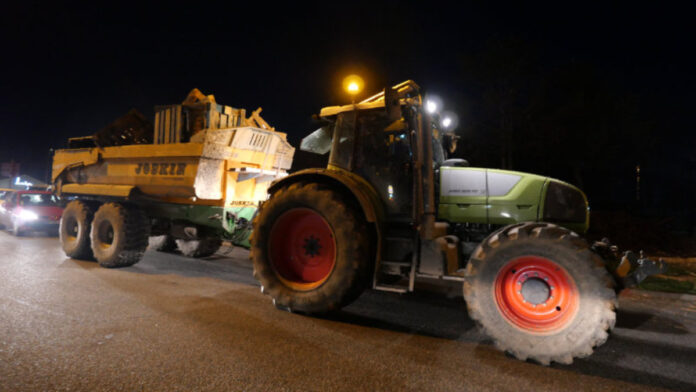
{"x":24,"y":211}
{"x":4,"y":194}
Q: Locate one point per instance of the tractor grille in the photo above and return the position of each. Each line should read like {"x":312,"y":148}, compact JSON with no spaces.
{"x":564,"y":204}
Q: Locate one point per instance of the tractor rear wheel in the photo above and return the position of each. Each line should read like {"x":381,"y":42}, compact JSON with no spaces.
{"x":199,"y":248}
{"x":540,"y":292}
{"x":119,"y":235}
{"x":310,"y":249}
{"x":75,"y":225}
{"x":162,"y":243}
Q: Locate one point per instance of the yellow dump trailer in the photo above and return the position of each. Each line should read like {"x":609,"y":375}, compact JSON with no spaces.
{"x":197,"y":181}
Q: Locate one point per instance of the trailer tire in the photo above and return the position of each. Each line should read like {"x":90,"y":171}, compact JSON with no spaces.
{"x":199,"y":248}
{"x":162,"y":243}
{"x":310,"y":249}
{"x":119,"y":235}
{"x":75,"y":226}
{"x":540,"y":293}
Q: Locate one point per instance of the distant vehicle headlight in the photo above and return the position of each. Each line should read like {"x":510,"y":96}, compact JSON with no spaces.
{"x":27,"y":215}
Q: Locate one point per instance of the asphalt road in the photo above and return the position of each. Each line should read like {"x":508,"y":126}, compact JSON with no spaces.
{"x":175,"y":324}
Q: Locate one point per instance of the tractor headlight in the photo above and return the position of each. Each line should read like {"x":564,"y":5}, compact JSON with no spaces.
{"x":27,"y":215}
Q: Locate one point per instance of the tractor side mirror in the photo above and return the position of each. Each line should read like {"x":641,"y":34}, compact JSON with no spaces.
{"x":318,"y":142}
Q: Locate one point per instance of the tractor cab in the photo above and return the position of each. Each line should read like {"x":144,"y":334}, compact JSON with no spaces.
{"x":393,"y":147}
{"x":379,"y":140}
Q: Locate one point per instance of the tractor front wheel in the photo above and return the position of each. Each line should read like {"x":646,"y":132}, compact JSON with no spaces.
{"x":540,"y":293}
{"x":310,"y":249}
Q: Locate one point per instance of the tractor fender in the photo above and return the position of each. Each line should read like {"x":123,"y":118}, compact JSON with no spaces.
{"x":346,"y":181}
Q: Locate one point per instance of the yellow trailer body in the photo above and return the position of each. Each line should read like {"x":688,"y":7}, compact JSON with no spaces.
{"x":222,"y":167}
{"x":194,"y":178}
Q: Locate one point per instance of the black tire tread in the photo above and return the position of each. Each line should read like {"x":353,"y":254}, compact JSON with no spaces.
{"x":597,"y":271}
{"x":85,"y":212}
{"x":136,"y":231}
{"x":352,"y":226}
{"x":162,"y":243}
{"x":199,"y":248}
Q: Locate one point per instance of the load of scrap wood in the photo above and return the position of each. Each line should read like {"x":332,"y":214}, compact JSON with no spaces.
{"x":200,"y":112}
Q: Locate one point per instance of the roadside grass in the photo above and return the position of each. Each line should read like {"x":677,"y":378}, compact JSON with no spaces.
{"x":680,"y":277}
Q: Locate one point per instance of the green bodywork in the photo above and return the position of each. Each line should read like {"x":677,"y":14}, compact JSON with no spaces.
{"x":231,"y":223}
{"x":523,"y":202}
{"x":496,"y":197}
{"x":239,"y":233}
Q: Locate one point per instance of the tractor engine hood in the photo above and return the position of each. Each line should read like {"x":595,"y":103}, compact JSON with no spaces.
{"x":502,"y":197}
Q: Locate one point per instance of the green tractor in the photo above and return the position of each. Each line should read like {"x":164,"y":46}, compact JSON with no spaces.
{"x":390,"y":209}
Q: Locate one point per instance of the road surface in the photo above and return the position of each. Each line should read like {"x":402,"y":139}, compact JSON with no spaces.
{"x":171,"y":323}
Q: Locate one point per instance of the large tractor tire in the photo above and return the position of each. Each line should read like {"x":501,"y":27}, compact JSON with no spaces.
{"x":119,"y":235}
{"x":199,"y":248}
{"x":540,"y":293}
{"x":162,"y":243}
{"x":310,"y":249}
{"x":75,"y":226}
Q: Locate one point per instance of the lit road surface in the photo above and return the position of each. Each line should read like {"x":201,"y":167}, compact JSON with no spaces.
{"x":175,"y":324}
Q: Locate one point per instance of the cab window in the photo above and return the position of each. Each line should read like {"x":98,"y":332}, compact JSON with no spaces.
{"x":36,"y":200}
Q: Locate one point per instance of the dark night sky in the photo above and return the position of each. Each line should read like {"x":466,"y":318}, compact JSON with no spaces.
{"x":69,"y":69}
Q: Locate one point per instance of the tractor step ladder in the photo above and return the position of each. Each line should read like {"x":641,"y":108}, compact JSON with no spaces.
{"x":407,"y":271}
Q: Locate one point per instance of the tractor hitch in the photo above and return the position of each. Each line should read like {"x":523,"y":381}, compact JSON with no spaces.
{"x":639,"y":267}
{"x":629,"y":268}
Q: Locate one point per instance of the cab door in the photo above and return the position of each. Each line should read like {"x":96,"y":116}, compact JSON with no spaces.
{"x":385,"y":159}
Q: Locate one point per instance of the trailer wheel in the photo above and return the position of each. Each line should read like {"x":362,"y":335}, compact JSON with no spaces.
{"x":540,"y":292}
{"x":74,"y":229}
{"x":162,"y":243}
{"x":119,"y":235}
{"x":199,"y":248}
{"x":310,"y":249}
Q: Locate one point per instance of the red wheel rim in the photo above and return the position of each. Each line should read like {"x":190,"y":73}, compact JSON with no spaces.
{"x":302,"y":248}
{"x":536,"y":294}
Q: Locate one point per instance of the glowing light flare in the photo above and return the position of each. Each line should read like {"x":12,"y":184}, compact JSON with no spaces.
{"x":27,"y":215}
{"x":449,"y":120}
{"x":433,"y":104}
{"x":353,"y":84}
{"x":430,"y":106}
